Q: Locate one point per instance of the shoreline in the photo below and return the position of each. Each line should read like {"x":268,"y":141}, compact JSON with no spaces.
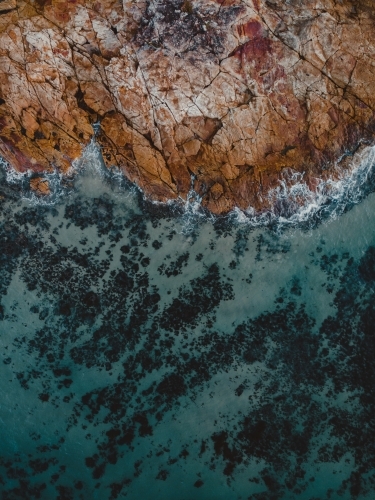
{"x":293,"y":202}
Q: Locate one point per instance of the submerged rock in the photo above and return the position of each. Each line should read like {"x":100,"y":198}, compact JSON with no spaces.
{"x":232,"y":93}
{"x":40,"y":186}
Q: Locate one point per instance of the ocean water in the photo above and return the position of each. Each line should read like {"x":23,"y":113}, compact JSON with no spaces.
{"x":156,"y":353}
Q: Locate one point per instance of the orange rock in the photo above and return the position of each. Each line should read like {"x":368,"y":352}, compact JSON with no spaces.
{"x":7,"y":5}
{"x":40,"y":186}
{"x":232,"y":92}
{"x":191,"y":148}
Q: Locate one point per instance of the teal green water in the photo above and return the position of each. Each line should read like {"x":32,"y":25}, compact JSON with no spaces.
{"x":153,"y":353}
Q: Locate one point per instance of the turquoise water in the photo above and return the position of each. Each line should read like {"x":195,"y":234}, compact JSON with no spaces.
{"x":149,"y":352}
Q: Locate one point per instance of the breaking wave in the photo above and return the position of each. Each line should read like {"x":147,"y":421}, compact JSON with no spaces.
{"x":293,"y":202}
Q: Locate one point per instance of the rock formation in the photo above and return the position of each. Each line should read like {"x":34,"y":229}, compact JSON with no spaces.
{"x":231,"y":93}
{"x":40,"y":186}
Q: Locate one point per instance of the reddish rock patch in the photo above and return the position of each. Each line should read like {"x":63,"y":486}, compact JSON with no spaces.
{"x":229,"y":92}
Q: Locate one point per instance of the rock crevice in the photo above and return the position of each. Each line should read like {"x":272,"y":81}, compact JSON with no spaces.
{"x":231,"y":92}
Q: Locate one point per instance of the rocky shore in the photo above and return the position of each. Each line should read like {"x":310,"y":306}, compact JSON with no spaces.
{"x":230,"y":93}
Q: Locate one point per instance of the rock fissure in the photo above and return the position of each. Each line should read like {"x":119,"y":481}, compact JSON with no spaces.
{"x":188,"y":87}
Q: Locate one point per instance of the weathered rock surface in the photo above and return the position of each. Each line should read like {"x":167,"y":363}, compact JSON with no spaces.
{"x":232,"y":91}
{"x":40,"y":186}
{"x":7,"y":5}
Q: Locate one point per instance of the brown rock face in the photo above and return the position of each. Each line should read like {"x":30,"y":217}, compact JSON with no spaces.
{"x":7,"y":5}
{"x":40,"y":186}
{"x":232,"y":92}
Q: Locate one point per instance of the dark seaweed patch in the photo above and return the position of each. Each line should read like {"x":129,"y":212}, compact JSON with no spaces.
{"x":98,"y":212}
{"x":202,"y":296}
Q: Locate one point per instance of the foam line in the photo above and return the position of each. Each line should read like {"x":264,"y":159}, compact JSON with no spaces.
{"x":292,"y":202}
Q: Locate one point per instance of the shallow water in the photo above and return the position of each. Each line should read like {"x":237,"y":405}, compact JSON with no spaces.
{"x":149,"y":353}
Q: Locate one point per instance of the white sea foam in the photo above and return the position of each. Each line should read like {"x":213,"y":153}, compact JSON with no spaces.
{"x":292,"y":202}
{"x":91,"y":163}
{"x":56,"y":189}
{"x":12,"y":176}
{"x":193,"y":211}
{"x":89,"y":160}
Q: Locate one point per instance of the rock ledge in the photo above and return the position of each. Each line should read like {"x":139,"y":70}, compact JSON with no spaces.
{"x":233,"y":93}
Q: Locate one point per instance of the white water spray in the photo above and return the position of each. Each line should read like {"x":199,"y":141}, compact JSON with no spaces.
{"x":293,"y":202}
